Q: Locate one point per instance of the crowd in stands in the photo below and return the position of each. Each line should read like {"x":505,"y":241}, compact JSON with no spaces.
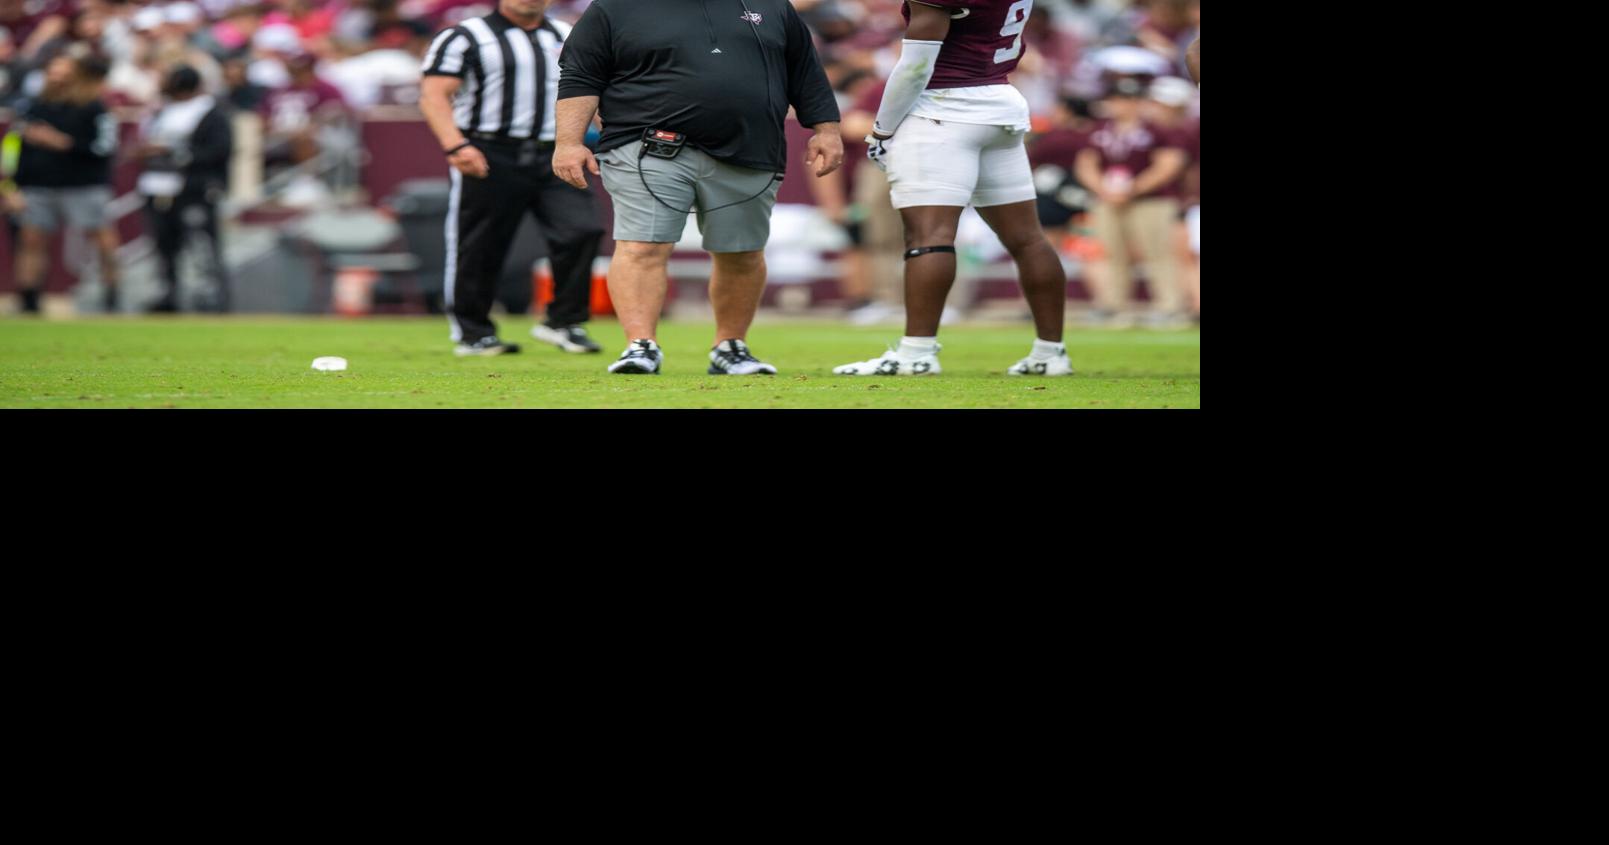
{"x":1105,"y":79}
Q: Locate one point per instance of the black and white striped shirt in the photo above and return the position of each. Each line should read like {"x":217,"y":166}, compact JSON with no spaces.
{"x":511,"y":77}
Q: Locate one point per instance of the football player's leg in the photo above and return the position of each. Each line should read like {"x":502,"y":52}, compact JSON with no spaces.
{"x":1044,"y":283}
{"x":929,"y":273}
{"x":929,"y":265}
{"x":933,"y":171}
{"x":1006,"y":201}
{"x":1039,"y":268}
{"x":932,"y":174}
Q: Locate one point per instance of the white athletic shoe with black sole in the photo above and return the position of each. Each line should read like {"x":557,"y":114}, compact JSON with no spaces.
{"x":486,"y":347}
{"x":569,"y":338}
{"x":732,"y":358}
{"x":641,"y":358}
{"x":1031,"y":366}
{"x":891,"y":364}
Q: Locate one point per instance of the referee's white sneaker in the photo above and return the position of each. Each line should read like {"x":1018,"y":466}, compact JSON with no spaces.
{"x":641,"y":358}
{"x":1031,"y":366}
{"x":569,"y":338}
{"x":732,"y":358}
{"x":486,"y":347}
{"x":894,"y":364}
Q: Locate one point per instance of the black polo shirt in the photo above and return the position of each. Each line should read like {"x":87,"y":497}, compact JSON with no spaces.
{"x":722,"y":74}
{"x":87,"y":164}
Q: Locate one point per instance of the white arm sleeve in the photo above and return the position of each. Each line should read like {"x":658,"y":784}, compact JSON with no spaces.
{"x":909,"y":79}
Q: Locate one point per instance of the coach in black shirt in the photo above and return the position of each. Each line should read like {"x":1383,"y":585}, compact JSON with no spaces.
{"x":712,"y":81}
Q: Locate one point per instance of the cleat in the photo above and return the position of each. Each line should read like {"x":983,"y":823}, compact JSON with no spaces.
{"x":891,"y":364}
{"x":1030,"y":366}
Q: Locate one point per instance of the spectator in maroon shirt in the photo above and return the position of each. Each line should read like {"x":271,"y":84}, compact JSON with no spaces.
{"x":296,"y":116}
{"x":1133,"y":166}
{"x":32,"y":23}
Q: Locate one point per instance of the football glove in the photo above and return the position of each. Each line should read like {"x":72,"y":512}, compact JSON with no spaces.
{"x":877,"y":151}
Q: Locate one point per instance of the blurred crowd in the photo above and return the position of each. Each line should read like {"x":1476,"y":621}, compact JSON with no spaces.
{"x":249,"y":48}
{"x":1116,"y":121}
{"x":245,"y":51}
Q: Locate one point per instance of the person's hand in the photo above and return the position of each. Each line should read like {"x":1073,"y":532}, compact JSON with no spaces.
{"x":877,"y":151}
{"x":826,"y":152}
{"x":572,"y":163}
{"x":1116,"y":199}
{"x":12,"y":202}
{"x":470,"y":162}
{"x":42,"y":135}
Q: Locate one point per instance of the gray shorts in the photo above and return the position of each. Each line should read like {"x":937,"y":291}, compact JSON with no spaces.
{"x":83,"y":209}
{"x":691,"y":180}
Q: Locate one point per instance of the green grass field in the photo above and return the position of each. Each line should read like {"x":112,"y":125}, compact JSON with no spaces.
{"x":189,"y":362}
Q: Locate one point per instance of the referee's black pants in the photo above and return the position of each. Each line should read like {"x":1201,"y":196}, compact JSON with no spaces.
{"x":484,"y":215}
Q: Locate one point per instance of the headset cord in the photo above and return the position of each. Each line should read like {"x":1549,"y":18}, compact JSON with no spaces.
{"x":766,"y":61}
{"x":642,"y":156}
{"x":748,"y":15}
{"x":709,"y":27}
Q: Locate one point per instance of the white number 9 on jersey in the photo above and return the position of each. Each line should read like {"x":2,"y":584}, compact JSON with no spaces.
{"x":1016,"y":19}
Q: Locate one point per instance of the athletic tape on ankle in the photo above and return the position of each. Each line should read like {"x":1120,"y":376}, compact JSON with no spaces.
{"x":916,"y":253}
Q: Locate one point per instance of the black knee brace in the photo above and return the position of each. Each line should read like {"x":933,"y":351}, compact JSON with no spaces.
{"x":920,"y":251}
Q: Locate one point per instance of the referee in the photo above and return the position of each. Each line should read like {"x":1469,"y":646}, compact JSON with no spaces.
{"x":488,"y":94}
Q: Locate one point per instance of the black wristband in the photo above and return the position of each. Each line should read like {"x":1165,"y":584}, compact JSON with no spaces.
{"x":454,"y":150}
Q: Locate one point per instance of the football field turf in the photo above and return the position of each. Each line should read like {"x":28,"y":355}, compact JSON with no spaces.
{"x":189,"y":362}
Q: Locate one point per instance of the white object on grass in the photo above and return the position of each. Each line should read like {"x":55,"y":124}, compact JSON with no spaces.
{"x":329,"y":364}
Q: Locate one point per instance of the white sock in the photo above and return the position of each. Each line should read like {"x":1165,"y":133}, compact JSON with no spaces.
{"x":1045,"y":350}
{"x":917,"y":347}
{"x":651,"y":344}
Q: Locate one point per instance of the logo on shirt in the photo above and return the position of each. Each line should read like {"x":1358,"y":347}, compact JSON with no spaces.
{"x":753,"y":17}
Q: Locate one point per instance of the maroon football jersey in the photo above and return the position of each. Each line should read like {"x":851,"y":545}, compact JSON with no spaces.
{"x":984,"y":44}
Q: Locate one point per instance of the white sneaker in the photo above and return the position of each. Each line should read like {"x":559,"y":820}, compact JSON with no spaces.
{"x":1030,"y":366}
{"x":486,"y":347}
{"x":890,"y":364}
{"x":641,"y":358}
{"x":570,"y":338}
